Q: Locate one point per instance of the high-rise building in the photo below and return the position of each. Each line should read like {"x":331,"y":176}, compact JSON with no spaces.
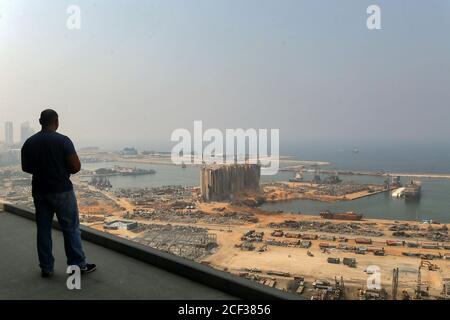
{"x":9,"y":133}
{"x":25,"y":132}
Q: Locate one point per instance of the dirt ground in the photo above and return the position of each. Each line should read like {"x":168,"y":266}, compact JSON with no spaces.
{"x":295,"y":260}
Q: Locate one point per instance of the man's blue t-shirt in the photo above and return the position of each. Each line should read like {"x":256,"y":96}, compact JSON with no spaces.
{"x":46,"y":154}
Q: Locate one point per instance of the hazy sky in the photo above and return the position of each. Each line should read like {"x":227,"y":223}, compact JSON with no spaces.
{"x":139,"y":69}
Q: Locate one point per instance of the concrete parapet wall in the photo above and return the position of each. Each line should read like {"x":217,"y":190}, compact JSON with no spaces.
{"x":239,"y":287}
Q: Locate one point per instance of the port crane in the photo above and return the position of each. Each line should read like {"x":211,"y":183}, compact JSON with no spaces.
{"x":418,"y":290}
{"x":431,"y":267}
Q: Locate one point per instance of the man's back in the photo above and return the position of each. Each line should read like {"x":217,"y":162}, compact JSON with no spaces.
{"x":51,"y":158}
{"x":45,"y":156}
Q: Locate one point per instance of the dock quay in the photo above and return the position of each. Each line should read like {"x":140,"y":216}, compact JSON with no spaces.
{"x":388,"y":174}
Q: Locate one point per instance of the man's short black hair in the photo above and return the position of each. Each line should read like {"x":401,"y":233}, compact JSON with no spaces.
{"x":48,"y":117}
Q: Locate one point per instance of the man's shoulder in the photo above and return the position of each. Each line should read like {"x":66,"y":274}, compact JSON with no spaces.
{"x":31,"y":139}
{"x":56,"y":137}
{"x":60,"y":136}
{"x":47,"y":137}
{"x":66,"y":144}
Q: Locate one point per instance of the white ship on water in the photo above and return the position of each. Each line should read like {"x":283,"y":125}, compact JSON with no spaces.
{"x":397,"y":193}
{"x":412,"y":190}
{"x":298,"y":178}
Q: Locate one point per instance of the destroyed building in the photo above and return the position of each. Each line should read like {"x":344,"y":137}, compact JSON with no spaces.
{"x":221,"y":182}
{"x":120,"y":225}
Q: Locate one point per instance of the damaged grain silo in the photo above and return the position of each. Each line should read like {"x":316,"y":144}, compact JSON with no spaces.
{"x":221,"y":182}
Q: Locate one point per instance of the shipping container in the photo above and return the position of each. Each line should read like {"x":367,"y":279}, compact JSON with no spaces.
{"x":363,"y":241}
{"x":394,"y":243}
{"x":334,"y":260}
{"x":351,"y":262}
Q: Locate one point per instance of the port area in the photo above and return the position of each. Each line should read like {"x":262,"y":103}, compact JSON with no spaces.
{"x":288,"y":251}
{"x":293,"y":247}
{"x":284,"y":250}
{"x":289,"y":163}
{"x":387,"y":174}
{"x":343,"y":191}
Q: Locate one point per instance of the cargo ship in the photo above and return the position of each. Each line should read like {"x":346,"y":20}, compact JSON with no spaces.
{"x":341,"y":215}
{"x":412,"y":190}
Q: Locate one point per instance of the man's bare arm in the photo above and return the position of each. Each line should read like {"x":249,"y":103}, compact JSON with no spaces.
{"x":73,"y":163}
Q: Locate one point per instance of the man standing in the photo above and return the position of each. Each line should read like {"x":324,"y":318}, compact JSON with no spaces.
{"x":51,"y":158}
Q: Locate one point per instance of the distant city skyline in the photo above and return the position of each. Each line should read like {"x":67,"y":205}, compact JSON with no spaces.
{"x":10,"y":132}
{"x":25,"y":132}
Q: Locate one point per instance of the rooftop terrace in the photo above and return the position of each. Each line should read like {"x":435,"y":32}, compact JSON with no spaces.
{"x":125,"y":270}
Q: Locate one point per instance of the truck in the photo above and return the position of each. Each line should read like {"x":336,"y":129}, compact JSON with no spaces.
{"x":351,"y":262}
{"x":334,"y":260}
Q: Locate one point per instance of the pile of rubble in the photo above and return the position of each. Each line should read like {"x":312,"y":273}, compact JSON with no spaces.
{"x":92,"y":218}
{"x":249,"y":239}
{"x":325,"y":290}
{"x":246,"y":246}
{"x":166,"y":215}
{"x":192,"y":216}
{"x":329,"y":227}
{"x":404,"y":227}
{"x":372,"y":294}
{"x":165,"y":194}
{"x":253,"y":236}
{"x":341,"y":189}
{"x":433,"y":235}
{"x":169,"y":227}
{"x":186,"y":241}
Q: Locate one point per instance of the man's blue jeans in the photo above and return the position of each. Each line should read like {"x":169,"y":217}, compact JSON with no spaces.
{"x":65,"y":206}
